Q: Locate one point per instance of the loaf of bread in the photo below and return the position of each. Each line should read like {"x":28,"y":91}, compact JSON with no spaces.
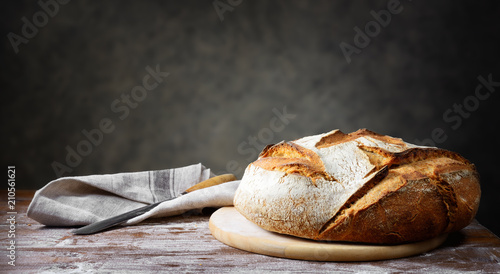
{"x":358,"y":187}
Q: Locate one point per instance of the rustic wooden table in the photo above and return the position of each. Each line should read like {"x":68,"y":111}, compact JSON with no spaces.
{"x":184,"y":244}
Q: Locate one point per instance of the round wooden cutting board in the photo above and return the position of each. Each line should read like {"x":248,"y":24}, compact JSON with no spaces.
{"x":230,"y":227}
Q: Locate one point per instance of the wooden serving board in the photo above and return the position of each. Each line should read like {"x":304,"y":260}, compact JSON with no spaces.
{"x":230,"y":227}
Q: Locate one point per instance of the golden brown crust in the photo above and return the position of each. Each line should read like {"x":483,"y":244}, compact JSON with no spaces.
{"x":389,"y":220}
{"x":431,"y":195}
{"x":338,"y":137}
{"x":419,"y":186}
{"x":413,"y":193}
{"x":293,"y":159}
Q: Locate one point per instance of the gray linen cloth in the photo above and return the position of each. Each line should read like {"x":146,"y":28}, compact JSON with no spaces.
{"x":82,"y":200}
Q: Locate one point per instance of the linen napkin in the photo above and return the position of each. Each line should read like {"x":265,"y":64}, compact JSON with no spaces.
{"x":82,"y":200}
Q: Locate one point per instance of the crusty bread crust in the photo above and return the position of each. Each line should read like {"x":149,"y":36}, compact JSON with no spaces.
{"x":359,"y":187}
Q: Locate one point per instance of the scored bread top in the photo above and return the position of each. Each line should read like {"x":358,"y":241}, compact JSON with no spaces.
{"x":320,"y":186}
{"x":325,"y":155}
{"x":331,"y":156}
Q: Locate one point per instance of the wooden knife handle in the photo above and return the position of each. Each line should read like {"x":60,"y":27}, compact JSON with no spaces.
{"x":217,"y":180}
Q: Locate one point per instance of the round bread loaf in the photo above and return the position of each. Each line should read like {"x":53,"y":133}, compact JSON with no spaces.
{"x":358,"y":187}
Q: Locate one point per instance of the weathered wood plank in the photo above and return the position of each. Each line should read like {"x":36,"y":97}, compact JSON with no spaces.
{"x":184,"y":244}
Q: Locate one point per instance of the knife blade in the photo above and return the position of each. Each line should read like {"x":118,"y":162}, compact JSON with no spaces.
{"x":122,"y":218}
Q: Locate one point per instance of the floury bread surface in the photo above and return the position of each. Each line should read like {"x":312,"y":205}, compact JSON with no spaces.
{"x":358,"y":187}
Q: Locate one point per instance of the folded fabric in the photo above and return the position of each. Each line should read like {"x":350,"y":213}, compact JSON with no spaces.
{"x":81,"y":200}
{"x":214,"y":196}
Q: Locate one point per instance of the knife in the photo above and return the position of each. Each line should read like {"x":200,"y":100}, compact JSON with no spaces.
{"x":122,"y":218}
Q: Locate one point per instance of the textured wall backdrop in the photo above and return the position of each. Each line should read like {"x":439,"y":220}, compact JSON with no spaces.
{"x":103,"y":87}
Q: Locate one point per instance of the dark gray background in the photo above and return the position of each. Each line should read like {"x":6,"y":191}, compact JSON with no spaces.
{"x":227,"y":76}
